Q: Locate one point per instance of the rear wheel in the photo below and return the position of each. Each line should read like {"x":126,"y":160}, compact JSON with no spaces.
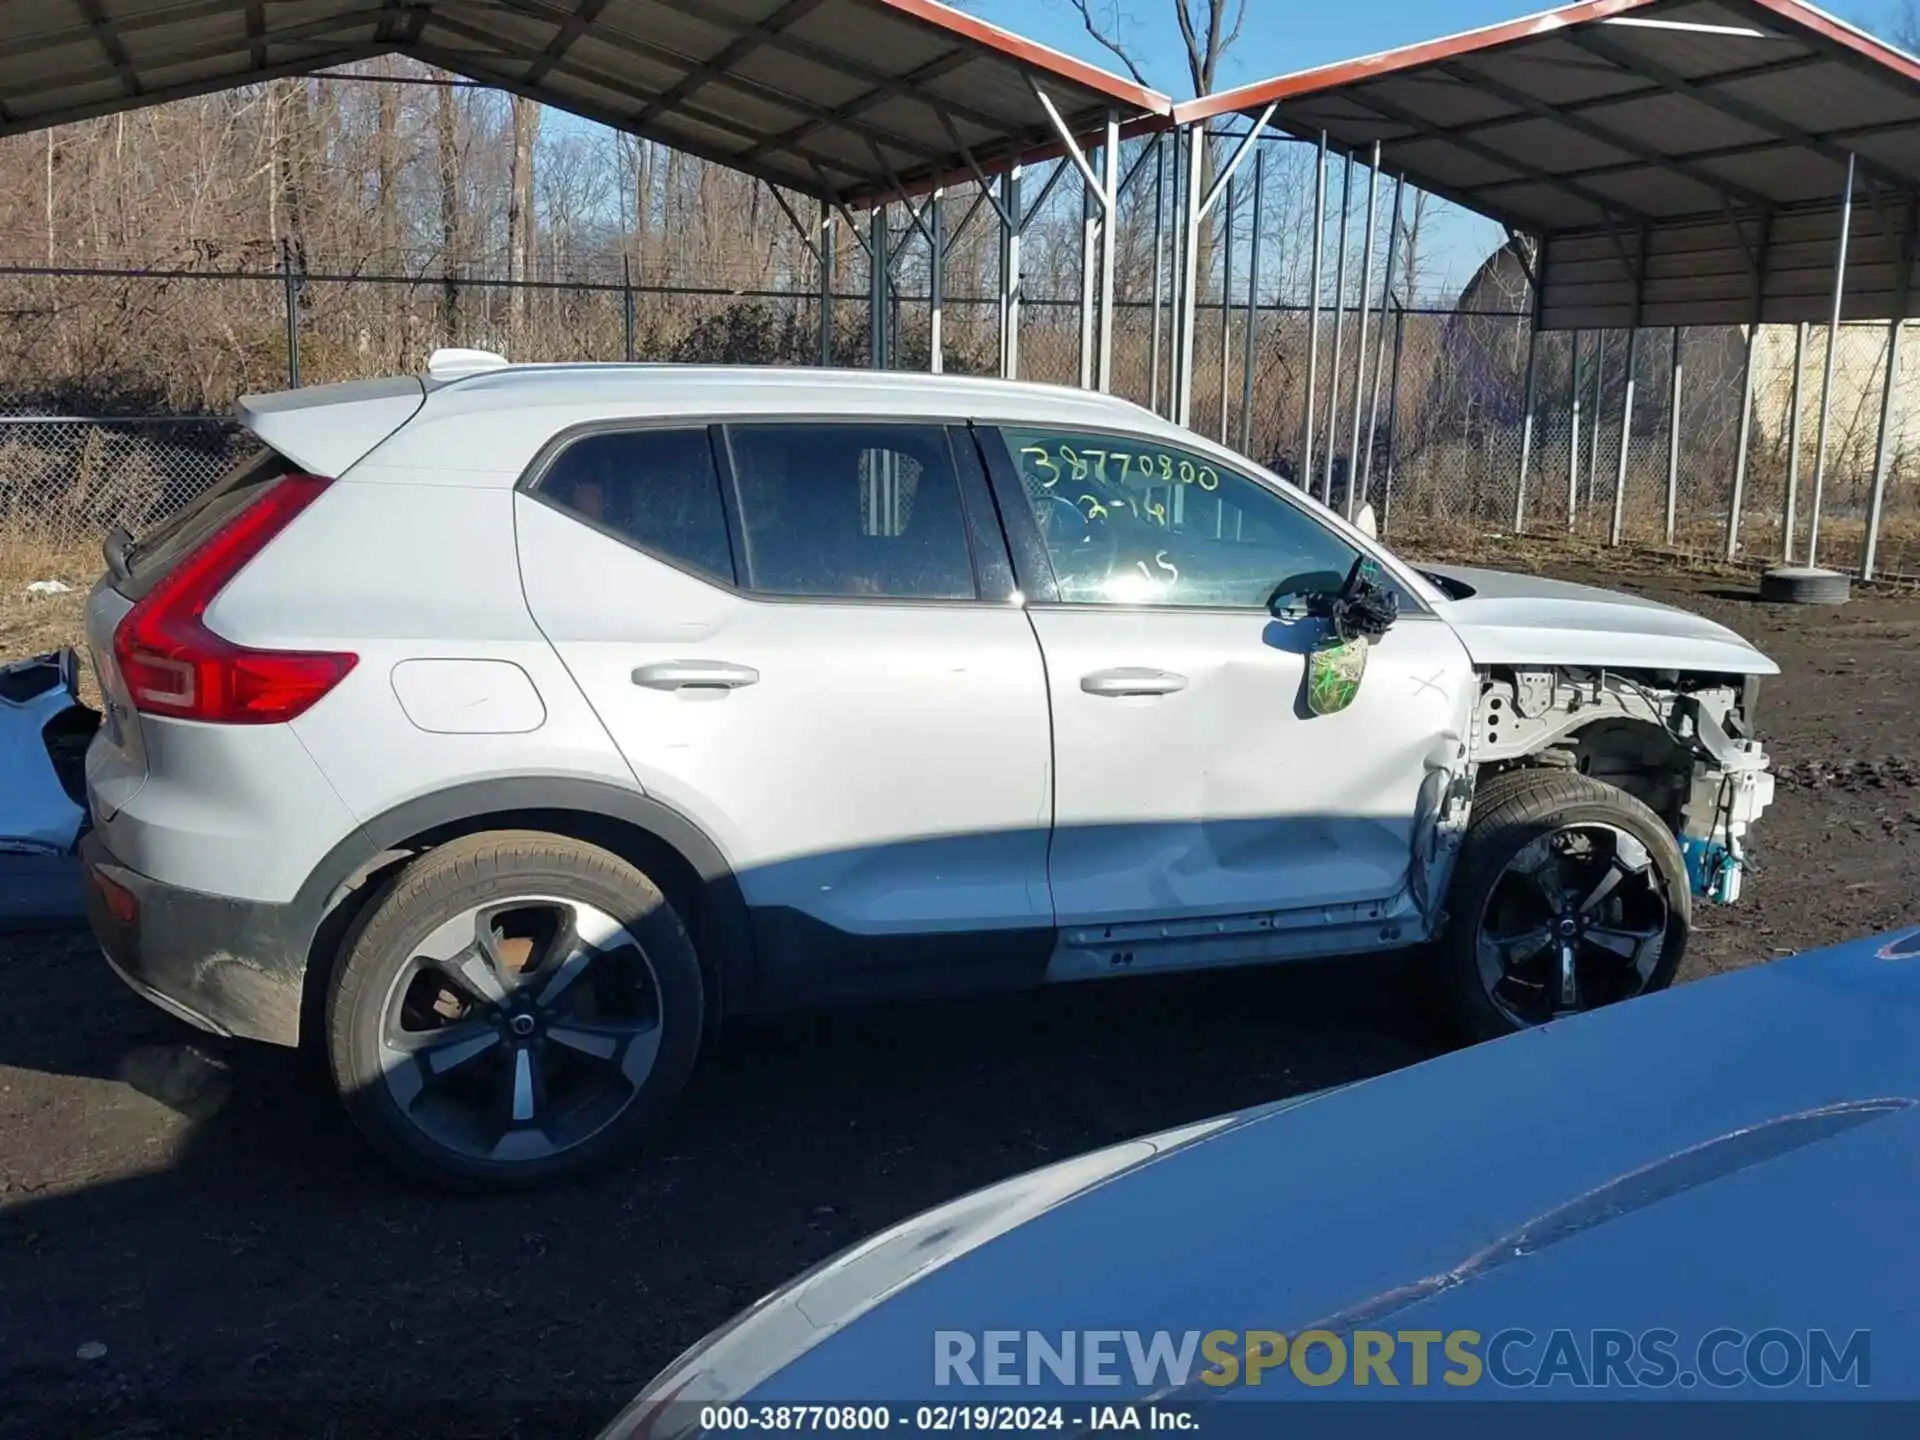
{"x":516,"y":1008}
{"x":1570,"y":895}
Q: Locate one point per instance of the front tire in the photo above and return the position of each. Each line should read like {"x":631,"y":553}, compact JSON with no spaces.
{"x":516,"y":1008}
{"x":1570,"y":894}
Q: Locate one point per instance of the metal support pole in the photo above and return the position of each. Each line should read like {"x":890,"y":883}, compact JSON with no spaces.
{"x":877,"y":264}
{"x":1339,"y":333}
{"x":1304,"y":475}
{"x":1598,"y":409}
{"x":1010,"y":226}
{"x":626,"y":303}
{"x":1826,"y":381}
{"x":1360,"y":346}
{"x":290,"y":291}
{"x":1882,"y":445}
{"x":826,"y":283}
{"x":1226,"y":301}
{"x":1675,"y":389}
{"x":1159,"y":260}
{"x":1393,"y":412}
{"x":1250,"y":357}
{"x":1089,"y":246}
{"x":1529,"y":395}
{"x":936,"y":281}
{"x":1189,"y":277}
{"x":1903,"y":288}
{"x":1176,"y":193}
{"x":1109,"y":234}
{"x":1380,"y":344}
{"x":1743,"y":441}
{"x":1789,"y":519}
{"x":1573,"y":442}
{"x":1626,"y":440}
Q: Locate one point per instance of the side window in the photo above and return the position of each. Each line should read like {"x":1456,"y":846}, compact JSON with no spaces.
{"x":1131,"y":521}
{"x":851,"y":510}
{"x":657,"y":489}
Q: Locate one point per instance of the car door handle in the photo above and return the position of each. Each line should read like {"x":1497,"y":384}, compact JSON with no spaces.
{"x":1132,"y":681}
{"x":694,"y":675}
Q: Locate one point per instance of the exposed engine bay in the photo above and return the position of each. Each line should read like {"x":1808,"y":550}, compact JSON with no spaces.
{"x":1681,"y":744}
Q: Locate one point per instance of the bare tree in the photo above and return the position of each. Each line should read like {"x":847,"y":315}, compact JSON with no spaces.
{"x":446,"y":124}
{"x":1208,"y":30}
{"x":526,"y":128}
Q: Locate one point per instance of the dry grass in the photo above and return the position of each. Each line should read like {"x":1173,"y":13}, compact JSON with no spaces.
{"x":34,"y":624}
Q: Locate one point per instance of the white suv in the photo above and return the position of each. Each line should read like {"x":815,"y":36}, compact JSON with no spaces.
{"x":584,"y":705}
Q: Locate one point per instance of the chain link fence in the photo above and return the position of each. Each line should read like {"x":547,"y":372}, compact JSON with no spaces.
{"x":1440,"y":395}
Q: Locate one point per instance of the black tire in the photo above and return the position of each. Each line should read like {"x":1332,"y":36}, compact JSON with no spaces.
{"x":1797,"y":585}
{"x":441,"y":888}
{"x":1511,"y":812}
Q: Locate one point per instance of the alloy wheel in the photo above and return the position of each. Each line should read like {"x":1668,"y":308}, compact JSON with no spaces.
{"x":1577,"y":919}
{"x":520,"y":1029}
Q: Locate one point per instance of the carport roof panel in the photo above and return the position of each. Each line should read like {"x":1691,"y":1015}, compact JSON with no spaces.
{"x":847,"y":98}
{"x":1647,"y":125}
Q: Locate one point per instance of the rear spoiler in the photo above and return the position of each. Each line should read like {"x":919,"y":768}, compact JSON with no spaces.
{"x":327,"y":429}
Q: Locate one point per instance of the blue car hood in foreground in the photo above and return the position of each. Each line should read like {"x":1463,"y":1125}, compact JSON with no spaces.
{"x":1733,"y":1157}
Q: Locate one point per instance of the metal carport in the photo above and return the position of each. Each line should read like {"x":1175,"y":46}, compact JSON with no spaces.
{"x":1676,"y":162}
{"x":850,"y":102}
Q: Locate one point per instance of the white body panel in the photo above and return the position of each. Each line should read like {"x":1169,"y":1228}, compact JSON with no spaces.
{"x":886,"y":769}
{"x":398,"y":573}
{"x":1225,"y":797}
{"x":1526,"y":620}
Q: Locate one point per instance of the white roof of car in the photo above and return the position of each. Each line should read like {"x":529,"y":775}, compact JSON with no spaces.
{"x":474,"y":413}
{"x":718,"y":390}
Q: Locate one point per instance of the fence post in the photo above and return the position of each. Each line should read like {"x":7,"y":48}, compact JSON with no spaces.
{"x":1746,"y":382}
{"x":1226,"y":301}
{"x":1626,"y":441}
{"x":1826,"y":382}
{"x":1251,"y":354}
{"x":1573,"y":441}
{"x":877,"y":265}
{"x":1673,"y":436}
{"x":1393,"y":411}
{"x":1360,"y":345}
{"x":1788,"y":518}
{"x":1303,"y":477}
{"x":1599,"y":405}
{"x":626,"y":304}
{"x":1339,"y":333}
{"x":1530,"y":395}
{"x":826,"y":283}
{"x":290,"y":290}
{"x":1883,"y":441}
{"x":1380,"y":343}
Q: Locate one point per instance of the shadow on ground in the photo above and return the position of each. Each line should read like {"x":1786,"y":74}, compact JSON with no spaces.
{"x":216,"y":1239}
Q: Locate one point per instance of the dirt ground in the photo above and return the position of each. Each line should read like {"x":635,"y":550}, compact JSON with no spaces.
{"x":192,"y":1242}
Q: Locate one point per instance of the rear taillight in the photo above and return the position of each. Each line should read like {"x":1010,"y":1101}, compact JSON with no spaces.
{"x":175,"y":666}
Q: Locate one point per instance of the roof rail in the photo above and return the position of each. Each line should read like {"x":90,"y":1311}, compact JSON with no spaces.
{"x":452,"y":364}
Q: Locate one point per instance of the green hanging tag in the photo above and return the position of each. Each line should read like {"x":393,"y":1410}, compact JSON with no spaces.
{"x":1334,"y":671}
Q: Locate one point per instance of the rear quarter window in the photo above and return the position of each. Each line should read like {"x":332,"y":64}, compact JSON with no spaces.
{"x":657,"y":490}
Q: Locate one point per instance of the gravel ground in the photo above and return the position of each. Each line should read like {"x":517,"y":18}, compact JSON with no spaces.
{"x":192,"y":1242}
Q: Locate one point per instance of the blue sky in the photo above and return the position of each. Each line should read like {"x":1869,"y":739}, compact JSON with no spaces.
{"x":1281,"y":36}
{"x":1286,"y":35}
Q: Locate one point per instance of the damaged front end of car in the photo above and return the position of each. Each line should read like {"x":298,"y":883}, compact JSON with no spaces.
{"x":1681,"y":743}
